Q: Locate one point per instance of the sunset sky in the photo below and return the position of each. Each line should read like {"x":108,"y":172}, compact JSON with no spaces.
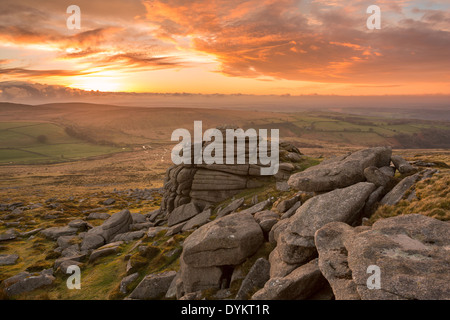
{"x":233,"y":46}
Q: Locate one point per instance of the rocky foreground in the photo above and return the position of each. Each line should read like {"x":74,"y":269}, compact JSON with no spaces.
{"x":219,"y":235}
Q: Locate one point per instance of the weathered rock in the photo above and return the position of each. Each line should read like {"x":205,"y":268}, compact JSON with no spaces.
{"x":402,"y":165}
{"x":103,"y":252}
{"x":257,"y":207}
{"x":63,"y":266}
{"x":388,"y":170}
{"x":266,"y":219}
{"x":398,"y":192}
{"x":285,"y":205}
{"x":233,"y":206}
{"x":30,"y":233}
{"x":342,"y":172}
{"x":172,"y":291}
{"x":79,"y":224}
{"x":59,"y":262}
{"x":154,"y":231}
{"x":138,"y":218}
{"x":215,"y":180}
{"x":182,"y":213}
{"x":212,"y":196}
{"x":412,"y":254}
{"x":65,"y":241}
{"x":255,"y":279}
{"x":71,"y":251}
{"x":225,"y":241}
{"x":109,"y":202}
{"x":8,"y":259}
{"x":289,"y":213}
{"x":193,"y":279}
{"x":17,"y":211}
{"x":153,"y":286}
{"x":129,"y":236}
{"x":92,"y":241}
{"x":141,"y":226}
{"x":152,"y":215}
{"x":123,"y":288}
{"x":279,"y":268}
{"x":199,"y":220}
{"x":277,"y":229}
{"x":26,"y":282}
{"x":376,"y":176}
{"x":175,"y":229}
{"x":296,"y":242}
{"x":54,"y":233}
{"x":333,"y":261}
{"x":299,"y":284}
{"x":118,"y":223}
{"x":98,"y":215}
{"x":372,"y":202}
{"x":206,"y":184}
{"x":9,"y":234}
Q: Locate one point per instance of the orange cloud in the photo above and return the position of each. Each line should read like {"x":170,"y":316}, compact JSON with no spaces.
{"x":255,"y":38}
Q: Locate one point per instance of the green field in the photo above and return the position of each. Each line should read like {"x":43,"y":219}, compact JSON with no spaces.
{"x":38,"y":142}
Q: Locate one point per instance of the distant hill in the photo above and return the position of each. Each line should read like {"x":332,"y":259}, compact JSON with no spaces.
{"x":117,"y":126}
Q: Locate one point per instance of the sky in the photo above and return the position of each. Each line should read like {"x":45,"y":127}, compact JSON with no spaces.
{"x":255,"y":47}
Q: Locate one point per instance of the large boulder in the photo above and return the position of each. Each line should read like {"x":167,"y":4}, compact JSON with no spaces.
{"x":26,"y":282}
{"x":342,"y":172}
{"x":333,"y":262}
{"x":54,"y":233}
{"x":296,"y":241}
{"x":212,"y":248}
{"x":182,"y":213}
{"x":206,"y":184}
{"x":117,"y":224}
{"x":225,"y":241}
{"x":411,"y":252}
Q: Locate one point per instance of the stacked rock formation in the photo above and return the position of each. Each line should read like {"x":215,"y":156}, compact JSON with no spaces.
{"x":318,"y":254}
{"x":205,"y":184}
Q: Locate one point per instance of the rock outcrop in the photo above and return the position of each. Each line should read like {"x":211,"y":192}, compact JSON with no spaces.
{"x":410,"y":250}
{"x":295,"y":243}
{"x":225,"y":242}
{"x":341,"y":172}
{"x":118,"y":223}
{"x":205,"y":184}
{"x":26,"y":282}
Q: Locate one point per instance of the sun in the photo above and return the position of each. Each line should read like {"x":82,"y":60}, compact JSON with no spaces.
{"x":97,"y":83}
